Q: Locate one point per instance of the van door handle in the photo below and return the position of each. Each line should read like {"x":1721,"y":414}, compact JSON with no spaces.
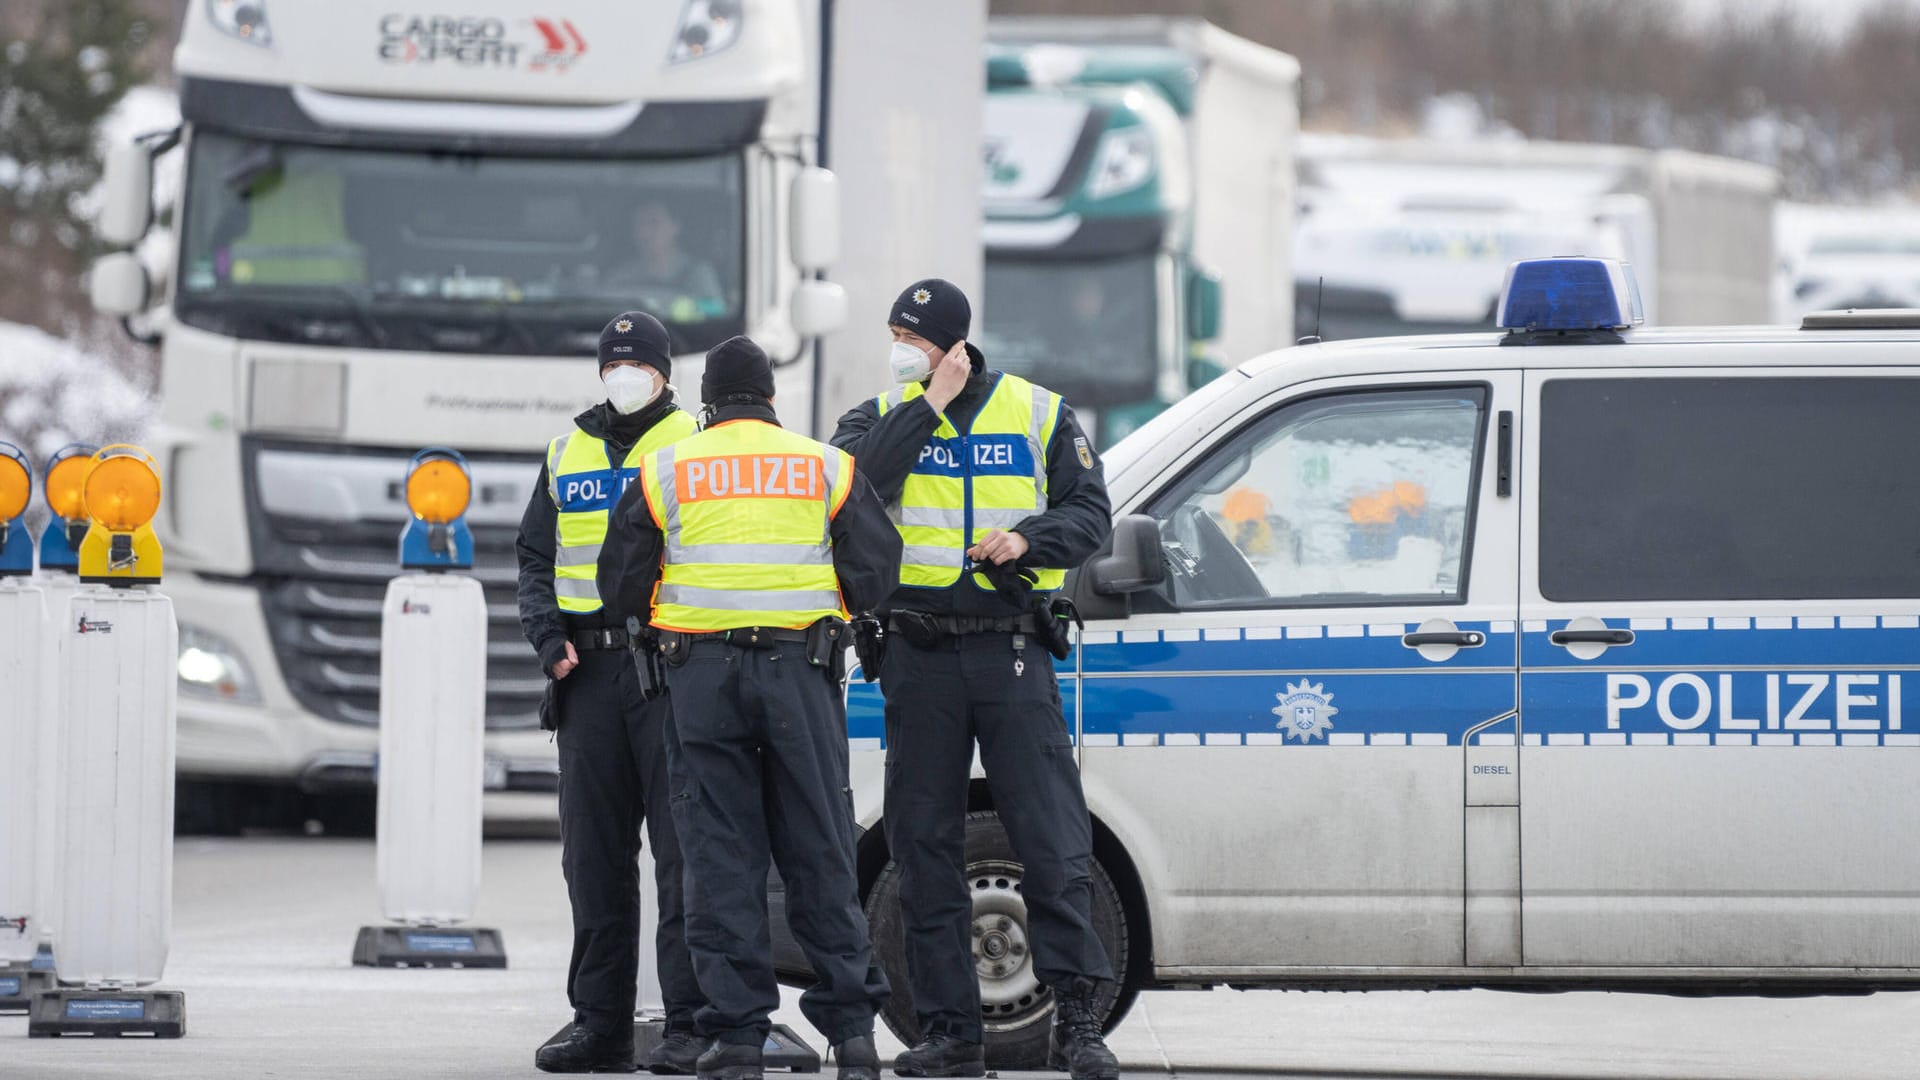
{"x":1591,"y":637}
{"x":1462,"y":639}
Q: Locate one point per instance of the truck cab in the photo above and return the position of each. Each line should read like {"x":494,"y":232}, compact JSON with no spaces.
{"x":1116,"y":152}
{"x":401,"y":230}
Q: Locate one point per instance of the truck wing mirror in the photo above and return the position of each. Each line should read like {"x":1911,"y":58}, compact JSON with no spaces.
{"x":1203,"y":306}
{"x":1135,"y":561}
{"x":819,"y":308}
{"x":126,"y":211}
{"x":118,"y":284}
{"x":815,"y":204}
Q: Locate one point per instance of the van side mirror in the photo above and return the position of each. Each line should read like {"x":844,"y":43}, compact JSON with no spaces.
{"x":126,"y":210}
{"x":1203,"y":305}
{"x":1135,"y":561}
{"x":815,"y":205}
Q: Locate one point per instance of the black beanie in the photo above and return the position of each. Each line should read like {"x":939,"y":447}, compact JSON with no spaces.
{"x":636,"y":335}
{"x":935,"y":309}
{"x":736,"y":366}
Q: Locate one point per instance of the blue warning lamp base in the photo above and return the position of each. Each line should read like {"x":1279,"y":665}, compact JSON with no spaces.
{"x":16,"y":549}
{"x":58,"y":549}
{"x":426,"y":546}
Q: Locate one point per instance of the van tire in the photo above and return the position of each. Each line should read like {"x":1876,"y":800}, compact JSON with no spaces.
{"x":1017,"y":1036}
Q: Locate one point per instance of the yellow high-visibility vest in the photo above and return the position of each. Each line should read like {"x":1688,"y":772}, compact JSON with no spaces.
{"x":746,"y":508}
{"x":993,"y":477}
{"x":585,"y":486}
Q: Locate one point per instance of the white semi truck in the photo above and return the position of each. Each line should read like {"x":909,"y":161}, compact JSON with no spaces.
{"x":404,"y":228}
{"x":1139,"y":207}
{"x":1402,"y":236}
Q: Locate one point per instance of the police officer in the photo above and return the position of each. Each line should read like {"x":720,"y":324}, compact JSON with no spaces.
{"x":759,"y":542}
{"x":612,"y":739}
{"x":996,"y":492}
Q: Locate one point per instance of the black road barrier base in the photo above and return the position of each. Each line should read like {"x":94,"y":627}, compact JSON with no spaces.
{"x":429,"y":947}
{"x":19,"y":983}
{"x":158,"y":1014}
{"x":784,"y":1049}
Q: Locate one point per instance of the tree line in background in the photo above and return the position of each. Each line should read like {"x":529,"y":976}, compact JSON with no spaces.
{"x":1757,"y":82}
{"x":1829,"y":111}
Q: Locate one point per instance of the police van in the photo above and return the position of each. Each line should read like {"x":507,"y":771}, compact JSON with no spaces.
{"x":1569,"y":655}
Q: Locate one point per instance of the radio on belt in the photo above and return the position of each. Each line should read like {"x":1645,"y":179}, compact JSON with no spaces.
{"x":431,"y":769}
{"x":114,"y":788}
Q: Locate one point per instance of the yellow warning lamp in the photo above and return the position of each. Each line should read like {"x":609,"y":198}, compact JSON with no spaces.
{"x":16,"y":490}
{"x":439,"y":487}
{"x":120,"y":495}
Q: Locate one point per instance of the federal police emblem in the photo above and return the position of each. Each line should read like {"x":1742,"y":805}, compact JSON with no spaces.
{"x":1086,"y":452}
{"x":922,"y":296}
{"x":1306,"y":711}
{"x":623,"y":326}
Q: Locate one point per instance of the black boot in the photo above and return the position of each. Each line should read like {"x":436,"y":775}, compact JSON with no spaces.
{"x":1075,"y":1044}
{"x":941,"y":1054}
{"x":730,"y":1061}
{"x":678,"y":1053}
{"x":857,"y":1059}
{"x":583,"y":1051}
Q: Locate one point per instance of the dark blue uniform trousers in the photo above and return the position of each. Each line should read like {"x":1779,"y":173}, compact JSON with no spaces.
{"x":613,"y":777}
{"x":760,"y":770}
{"x":939,"y":701}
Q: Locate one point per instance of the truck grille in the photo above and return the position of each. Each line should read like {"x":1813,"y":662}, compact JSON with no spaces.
{"x":326,"y":526}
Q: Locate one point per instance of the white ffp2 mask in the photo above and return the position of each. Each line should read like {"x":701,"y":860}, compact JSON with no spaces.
{"x":908,"y":363}
{"x":630,"y":388}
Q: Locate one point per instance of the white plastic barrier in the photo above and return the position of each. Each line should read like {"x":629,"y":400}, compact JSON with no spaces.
{"x":59,"y":589}
{"x":433,"y":674}
{"x":115,"y":799}
{"x":23,"y":650}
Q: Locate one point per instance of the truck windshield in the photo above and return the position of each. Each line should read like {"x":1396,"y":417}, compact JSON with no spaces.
{"x":1082,"y":328}
{"x":443,"y":251}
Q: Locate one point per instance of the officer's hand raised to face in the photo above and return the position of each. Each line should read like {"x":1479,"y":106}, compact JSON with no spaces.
{"x":998,"y":547}
{"x":562,"y":667}
{"x":949,"y":377}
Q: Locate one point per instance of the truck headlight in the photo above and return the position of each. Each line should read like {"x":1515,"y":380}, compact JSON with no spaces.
{"x":1124,"y":162}
{"x":244,"y":19}
{"x":706,"y":27}
{"x":211,"y":668}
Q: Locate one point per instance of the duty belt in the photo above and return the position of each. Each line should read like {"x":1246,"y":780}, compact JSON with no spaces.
{"x":607,"y":638}
{"x":750,"y":637}
{"x":913,"y":624}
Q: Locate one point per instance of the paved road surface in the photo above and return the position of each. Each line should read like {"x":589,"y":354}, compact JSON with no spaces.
{"x":264,"y":927}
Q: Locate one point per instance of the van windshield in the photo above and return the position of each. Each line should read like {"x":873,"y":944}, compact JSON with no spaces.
{"x":435,"y":250}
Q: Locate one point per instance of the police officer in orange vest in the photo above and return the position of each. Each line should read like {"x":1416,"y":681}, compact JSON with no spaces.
{"x":748,"y":546}
{"x":612,"y":737}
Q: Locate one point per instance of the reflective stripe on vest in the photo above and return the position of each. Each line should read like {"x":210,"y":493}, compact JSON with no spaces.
{"x":994,"y":477}
{"x":747,"y":509}
{"x":584,"y":487}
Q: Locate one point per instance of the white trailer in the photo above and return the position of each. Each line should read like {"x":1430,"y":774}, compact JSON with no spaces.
{"x":1421,"y":231}
{"x":402,"y":229}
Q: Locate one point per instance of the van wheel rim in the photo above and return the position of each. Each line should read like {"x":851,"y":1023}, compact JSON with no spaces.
{"x":1010,"y":993}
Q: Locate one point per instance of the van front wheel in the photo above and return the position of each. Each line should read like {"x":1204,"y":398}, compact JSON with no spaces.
{"x":1016,"y":1009}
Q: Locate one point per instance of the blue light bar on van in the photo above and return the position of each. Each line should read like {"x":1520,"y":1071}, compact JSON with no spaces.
{"x":1569,"y":294}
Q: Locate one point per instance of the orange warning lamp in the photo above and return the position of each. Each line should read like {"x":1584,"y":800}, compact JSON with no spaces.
{"x":439,"y":487}
{"x":120,"y":494}
{"x":16,"y":490}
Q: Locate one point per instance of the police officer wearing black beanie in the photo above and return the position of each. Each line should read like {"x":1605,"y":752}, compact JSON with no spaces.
{"x":759,"y":721}
{"x":962,"y":664}
{"x":611,"y":737}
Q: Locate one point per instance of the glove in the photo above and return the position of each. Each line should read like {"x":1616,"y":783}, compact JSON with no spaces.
{"x":1014,"y":583}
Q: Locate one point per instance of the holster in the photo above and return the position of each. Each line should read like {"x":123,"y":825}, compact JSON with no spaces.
{"x":1054,"y":620}
{"x":672,"y":649}
{"x":647,"y":662}
{"x":919,"y":628}
{"x":870,"y":645}
{"x":827,"y":645}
